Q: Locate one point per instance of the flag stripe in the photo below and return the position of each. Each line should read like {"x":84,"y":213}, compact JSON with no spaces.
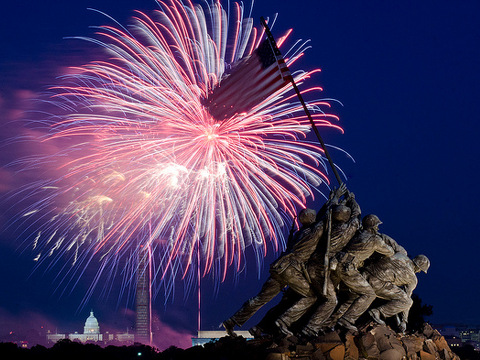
{"x":250,"y":82}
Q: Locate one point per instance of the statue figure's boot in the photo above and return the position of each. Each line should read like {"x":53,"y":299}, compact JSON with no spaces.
{"x":283,"y":327}
{"x":375,"y":314}
{"x":229,"y":324}
{"x":256,"y":332}
{"x":347,"y":324}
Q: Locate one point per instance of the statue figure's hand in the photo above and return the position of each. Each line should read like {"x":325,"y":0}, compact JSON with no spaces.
{"x":332,"y":195}
{"x":348,"y":267}
{"x":342,"y":190}
{"x":336,"y":194}
{"x":333,"y":263}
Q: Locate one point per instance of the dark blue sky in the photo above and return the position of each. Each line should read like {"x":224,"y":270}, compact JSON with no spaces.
{"x":407,"y":76}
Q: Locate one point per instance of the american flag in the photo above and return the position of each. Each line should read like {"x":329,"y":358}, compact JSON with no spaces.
{"x":250,"y":82}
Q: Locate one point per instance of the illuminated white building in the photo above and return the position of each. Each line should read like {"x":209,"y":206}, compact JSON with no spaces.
{"x":91,"y":325}
{"x":205,"y":337}
{"x":91,"y":332}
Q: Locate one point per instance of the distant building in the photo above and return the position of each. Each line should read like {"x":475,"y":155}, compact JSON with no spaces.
{"x":56,"y":337}
{"x":143,"y":299}
{"x":124,"y":338}
{"x":470,"y":335}
{"x":204,"y":337}
{"x":91,"y":333}
{"x":449,"y":330}
{"x":453,"y":341}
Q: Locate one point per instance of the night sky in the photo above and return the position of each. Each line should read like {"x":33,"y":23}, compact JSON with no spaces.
{"x":407,"y":75}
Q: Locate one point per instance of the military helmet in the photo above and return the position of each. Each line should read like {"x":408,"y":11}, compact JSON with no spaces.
{"x":341,"y":213}
{"x":307,"y":216}
{"x":370,"y":221}
{"x":422,"y":262}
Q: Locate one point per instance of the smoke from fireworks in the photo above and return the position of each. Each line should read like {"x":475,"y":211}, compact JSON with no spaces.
{"x":144,"y":165}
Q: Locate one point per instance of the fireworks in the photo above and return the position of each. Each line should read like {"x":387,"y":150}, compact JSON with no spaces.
{"x":145,"y":165}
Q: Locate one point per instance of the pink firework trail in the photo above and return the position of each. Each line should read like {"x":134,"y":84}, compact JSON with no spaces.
{"x":149,"y":166}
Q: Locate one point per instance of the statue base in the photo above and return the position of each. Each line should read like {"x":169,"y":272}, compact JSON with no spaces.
{"x":372,"y":341}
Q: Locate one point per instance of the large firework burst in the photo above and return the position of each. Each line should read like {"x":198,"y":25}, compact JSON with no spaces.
{"x":149,"y":167}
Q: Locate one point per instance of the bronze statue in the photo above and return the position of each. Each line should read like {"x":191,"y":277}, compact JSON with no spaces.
{"x":288,"y":270}
{"x":393,"y":278}
{"x":346,"y":221}
{"x":364,"y":244}
{"x":327,"y":252}
{"x":352,"y":296}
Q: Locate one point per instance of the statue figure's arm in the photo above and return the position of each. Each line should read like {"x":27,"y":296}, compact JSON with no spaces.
{"x":397,"y":248}
{"x":353,"y":223}
{"x":353,"y":205}
{"x":308,"y":242}
{"x":333,"y":199}
{"x":409,"y":287}
{"x":382,"y":247}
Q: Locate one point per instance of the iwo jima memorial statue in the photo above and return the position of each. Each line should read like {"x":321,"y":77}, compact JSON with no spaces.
{"x":171,"y":126}
{"x":347,"y":288}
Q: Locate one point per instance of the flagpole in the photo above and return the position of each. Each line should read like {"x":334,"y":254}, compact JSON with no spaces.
{"x":277,"y":53}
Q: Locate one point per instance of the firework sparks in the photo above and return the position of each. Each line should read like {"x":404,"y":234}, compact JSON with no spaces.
{"x":149,"y":166}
